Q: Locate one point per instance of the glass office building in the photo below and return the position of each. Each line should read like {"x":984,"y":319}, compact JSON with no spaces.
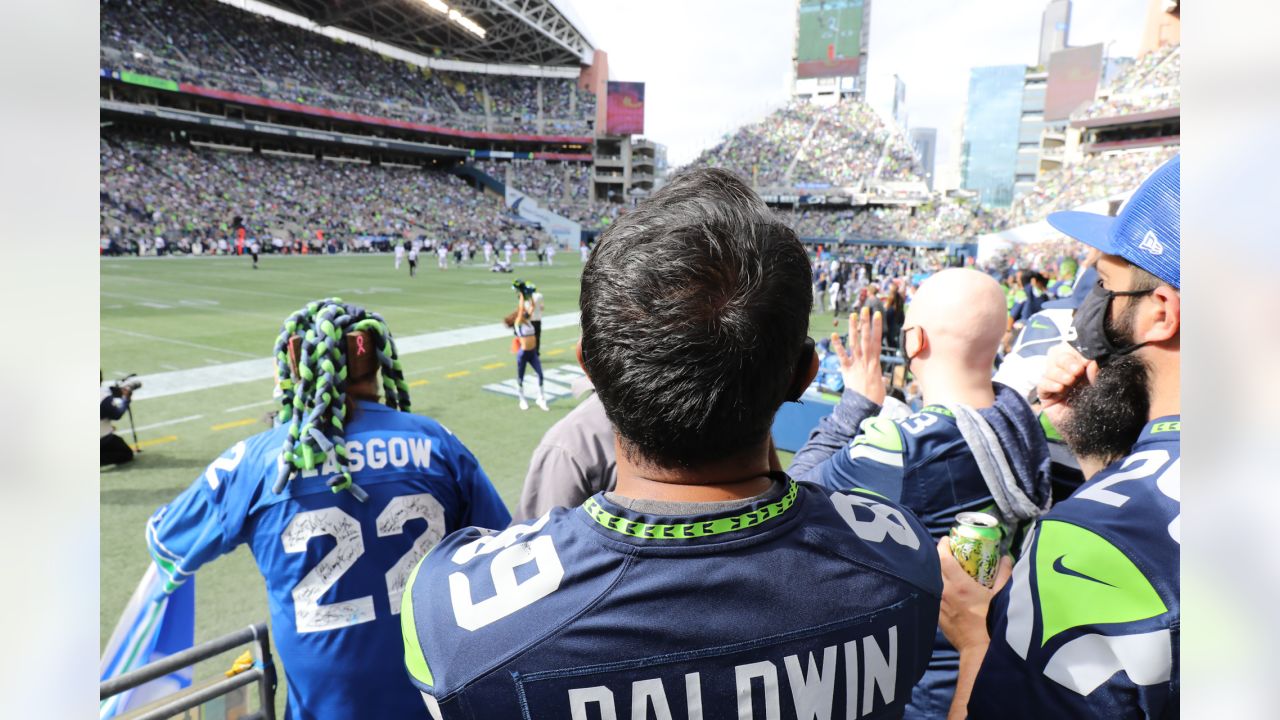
{"x":992,"y":125}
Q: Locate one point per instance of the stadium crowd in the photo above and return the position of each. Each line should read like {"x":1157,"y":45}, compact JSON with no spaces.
{"x":561,"y":187}
{"x":937,"y":220}
{"x":1096,"y":177}
{"x":1152,"y":83}
{"x":925,"y":519}
{"x":153,"y":189}
{"x":804,"y":144}
{"x":209,"y":43}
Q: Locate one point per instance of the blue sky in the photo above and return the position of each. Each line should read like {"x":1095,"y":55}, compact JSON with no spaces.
{"x":713,"y":65}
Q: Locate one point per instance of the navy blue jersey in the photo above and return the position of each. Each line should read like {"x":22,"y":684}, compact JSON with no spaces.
{"x":334,"y":566}
{"x":1088,"y":625}
{"x":924,"y":463}
{"x":804,"y":602}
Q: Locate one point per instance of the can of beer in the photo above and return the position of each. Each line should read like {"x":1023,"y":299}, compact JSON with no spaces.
{"x":975,"y":543}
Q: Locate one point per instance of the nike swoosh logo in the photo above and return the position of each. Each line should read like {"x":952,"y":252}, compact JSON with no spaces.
{"x":1058,"y":567}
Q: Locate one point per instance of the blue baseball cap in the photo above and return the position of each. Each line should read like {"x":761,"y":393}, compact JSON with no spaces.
{"x":1147,"y":232}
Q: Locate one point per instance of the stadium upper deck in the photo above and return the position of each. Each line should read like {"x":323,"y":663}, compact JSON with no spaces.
{"x":213,"y":46}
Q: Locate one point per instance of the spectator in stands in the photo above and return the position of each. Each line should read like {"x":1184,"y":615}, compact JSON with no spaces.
{"x":974,"y":446}
{"x":1106,"y":557}
{"x":291,"y":495}
{"x":695,"y":310}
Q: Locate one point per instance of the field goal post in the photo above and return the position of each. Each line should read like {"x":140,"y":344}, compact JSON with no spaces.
{"x":263,"y":672}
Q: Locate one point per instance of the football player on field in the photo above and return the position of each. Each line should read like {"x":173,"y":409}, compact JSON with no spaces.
{"x":1089,"y":624}
{"x":337,"y":504}
{"x":708,"y":584}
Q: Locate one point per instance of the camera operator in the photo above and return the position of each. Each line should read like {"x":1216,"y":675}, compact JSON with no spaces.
{"x":113,"y":406}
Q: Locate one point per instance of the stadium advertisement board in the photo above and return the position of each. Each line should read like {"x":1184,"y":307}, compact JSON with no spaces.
{"x":1073,"y":80}
{"x":148,"y":81}
{"x":829,"y":41}
{"x":625,"y":108}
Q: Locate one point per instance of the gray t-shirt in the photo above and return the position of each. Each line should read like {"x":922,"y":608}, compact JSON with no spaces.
{"x":574,"y":461}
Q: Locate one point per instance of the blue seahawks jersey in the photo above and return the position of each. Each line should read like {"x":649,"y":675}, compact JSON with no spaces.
{"x":1088,"y":625}
{"x":334,"y":566}
{"x":804,"y":602}
{"x":924,"y":462}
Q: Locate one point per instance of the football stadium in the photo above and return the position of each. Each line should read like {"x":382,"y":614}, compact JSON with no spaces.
{"x":318,"y":216}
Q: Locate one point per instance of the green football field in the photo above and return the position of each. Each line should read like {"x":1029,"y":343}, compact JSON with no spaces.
{"x":171,"y":315}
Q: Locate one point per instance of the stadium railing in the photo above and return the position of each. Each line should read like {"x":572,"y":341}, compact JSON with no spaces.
{"x":262,"y":672}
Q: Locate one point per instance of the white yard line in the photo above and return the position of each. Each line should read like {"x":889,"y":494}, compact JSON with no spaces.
{"x":272,"y":401}
{"x":171,"y":341}
{"x":153,"y":426}
{"x":203,"y":378}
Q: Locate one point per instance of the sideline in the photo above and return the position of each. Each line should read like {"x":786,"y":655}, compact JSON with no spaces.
{"x":176,"y":382}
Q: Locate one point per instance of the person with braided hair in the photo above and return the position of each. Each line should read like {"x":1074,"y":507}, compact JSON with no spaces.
{"x":338,"y":502}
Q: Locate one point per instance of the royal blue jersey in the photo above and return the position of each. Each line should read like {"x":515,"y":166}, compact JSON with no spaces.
{"x":1088,"y":625}
{"x":803,"y":602}
{"x":334,"y":566}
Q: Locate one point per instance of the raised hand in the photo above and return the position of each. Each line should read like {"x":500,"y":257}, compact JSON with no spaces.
{"x":860,"y":364}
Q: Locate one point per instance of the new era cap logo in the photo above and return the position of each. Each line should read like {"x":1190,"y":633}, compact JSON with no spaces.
{"x":1151,"y":244}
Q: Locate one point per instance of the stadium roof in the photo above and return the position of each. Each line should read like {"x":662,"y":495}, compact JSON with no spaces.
{"x":515,"y":32}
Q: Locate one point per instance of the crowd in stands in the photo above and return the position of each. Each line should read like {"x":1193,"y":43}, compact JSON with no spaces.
{"x":212,"y":44}
{"x":1151,"y":84}
{"x":1096,"y":177}
{"x":562,"y":187}
{"x":806,"y":144}
{"x":151,"y":189}
{"x":937,"y":220}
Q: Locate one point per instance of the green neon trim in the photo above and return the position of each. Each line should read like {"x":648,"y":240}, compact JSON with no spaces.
{"x":880,"y":433}
{"x":1170,"y":426}
{"x":938,"y":409}
{"x":1035,"y":323}
{"x":1050,"y":432}
{"x":1096,"y":585}
{"x":684,"y":531}
{"x":148,"y":81}
{"x":865,"y":491}
{"x":414,"y":659}
{"x":153,"y":615}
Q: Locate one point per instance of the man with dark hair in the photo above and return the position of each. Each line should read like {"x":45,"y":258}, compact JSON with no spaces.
{"x":707,"y":583}
{"x":1089,"y":625}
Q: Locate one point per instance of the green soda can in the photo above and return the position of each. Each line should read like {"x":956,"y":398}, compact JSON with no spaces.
{"x":975,"y":543}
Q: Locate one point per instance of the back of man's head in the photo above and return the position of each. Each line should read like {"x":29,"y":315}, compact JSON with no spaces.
{"x":963,"y":314}
{"x":695,"y":307}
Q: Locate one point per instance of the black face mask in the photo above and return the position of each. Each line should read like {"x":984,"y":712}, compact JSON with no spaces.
{"x":1090,"y":324}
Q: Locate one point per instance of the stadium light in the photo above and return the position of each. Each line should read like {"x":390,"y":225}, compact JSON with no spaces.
{"x":456,"y":17}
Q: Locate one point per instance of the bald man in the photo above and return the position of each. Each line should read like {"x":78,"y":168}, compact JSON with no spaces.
{"x":976,"y":445}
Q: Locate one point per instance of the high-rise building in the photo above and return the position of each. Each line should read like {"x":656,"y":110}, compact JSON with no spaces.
{"x":1055,"y":24}
{"x":993,"y":119}
{"x":925,"y":141}
{"x":1030,"y":125}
